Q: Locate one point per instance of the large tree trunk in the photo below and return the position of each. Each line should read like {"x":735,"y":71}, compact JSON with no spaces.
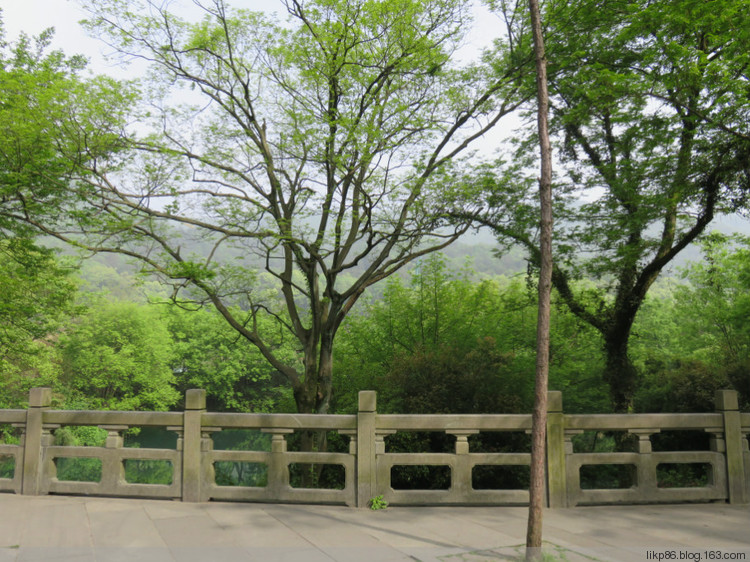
{"x":313,"y":396}
{"x":620,"y":373}
{"x":539,"y":418}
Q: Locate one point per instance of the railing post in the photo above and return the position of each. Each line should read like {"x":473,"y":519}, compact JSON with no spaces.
{"x":366,"y":466}
{"x":39,"y":400}
{"x":192,"y":481}
{"x":278,"y":467}
{"x":746,"y":457}
{"x":727,"y":405}
{"x":113,"y":468}
{"x":557,"y":495}
{"x":461,"y":472}
{"x":646,"y":481}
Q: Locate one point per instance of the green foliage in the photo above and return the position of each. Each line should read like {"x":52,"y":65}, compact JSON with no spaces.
{"x":230,"y":473}
{"x":118,"y":356}
{"x":80,"y":436}
{"x":680,"y":385}
{"x":429,"y":346}
{"x":207,"y":353}
{"x":52,"y":122}
{"x":79,"y":469}
{"x":110,"y":277}
{"x":649,"y":119}
{"x":442,"y":342}
{"x":7,"y":466}
{"x":138,"y":471}
{"x":444,"y":381}
{"x":693,"y":338}
{"x":378,"y":503}
{"x":715,"y":306}
{"x":36,"y":299}
{"x":674,"y":475}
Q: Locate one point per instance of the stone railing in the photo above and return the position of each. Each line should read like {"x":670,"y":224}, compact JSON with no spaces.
{"x":368,"y":465}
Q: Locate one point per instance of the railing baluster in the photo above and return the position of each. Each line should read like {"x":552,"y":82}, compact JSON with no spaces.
{"x":113,"y":468}
{"x":367,"y":484}
{"x":557,"y":495}
{"x":192,"y":473}
{"x":33,"y":469}
{"x":727,"y":405}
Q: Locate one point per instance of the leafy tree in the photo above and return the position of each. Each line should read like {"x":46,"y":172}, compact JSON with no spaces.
{"x":318,"y":147}
{"x":649,"y":111}
{"x":444,"y":381}
{"x":51,"y":121}
{"x":433,"y":332}
{"x":442,"y":329}
{"x":715,"y":305}
{"x":695,"y":340}
{"x":118,"y":282}
{"x":209,"y":354}
{"x":118,"y":356}
{"x":36,"y":299}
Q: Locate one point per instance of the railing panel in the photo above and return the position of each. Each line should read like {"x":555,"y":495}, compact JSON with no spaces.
{"x":11,"y":453}
{"x":113,"y":481}
{"x":461,"y":467}
{"x":277,"y":462}
{"x":645,"y":488}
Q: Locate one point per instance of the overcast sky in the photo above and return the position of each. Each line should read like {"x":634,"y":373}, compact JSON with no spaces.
{"x":33,"y":16}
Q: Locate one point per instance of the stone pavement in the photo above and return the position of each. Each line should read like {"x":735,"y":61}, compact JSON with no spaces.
{"x":61,"y":529}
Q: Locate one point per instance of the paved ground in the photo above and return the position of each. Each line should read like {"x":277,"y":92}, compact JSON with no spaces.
{"x":103,"y":529}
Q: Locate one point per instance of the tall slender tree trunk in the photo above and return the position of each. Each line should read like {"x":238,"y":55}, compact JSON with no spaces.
{"x":539,"y":417}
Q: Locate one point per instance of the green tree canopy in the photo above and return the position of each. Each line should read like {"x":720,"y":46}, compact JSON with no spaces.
{"x":53,"y":119}
{"x":443,"y":341}
{"x":650,"y":115}
{"x":694,"y":339}
{"x":209,"y":354}
{"x":118,"y":356}
{"x":36,"y":299}
{"x":316,"y":148}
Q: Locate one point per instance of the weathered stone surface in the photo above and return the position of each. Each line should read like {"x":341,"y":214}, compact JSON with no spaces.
{"x":367,"y":465}
{"x":103,"y":529}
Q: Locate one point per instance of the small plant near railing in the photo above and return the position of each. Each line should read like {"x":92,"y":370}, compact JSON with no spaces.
{"x":377,"y":503}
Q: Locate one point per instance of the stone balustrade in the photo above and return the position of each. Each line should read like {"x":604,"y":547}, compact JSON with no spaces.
{"x":368,"y":466}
